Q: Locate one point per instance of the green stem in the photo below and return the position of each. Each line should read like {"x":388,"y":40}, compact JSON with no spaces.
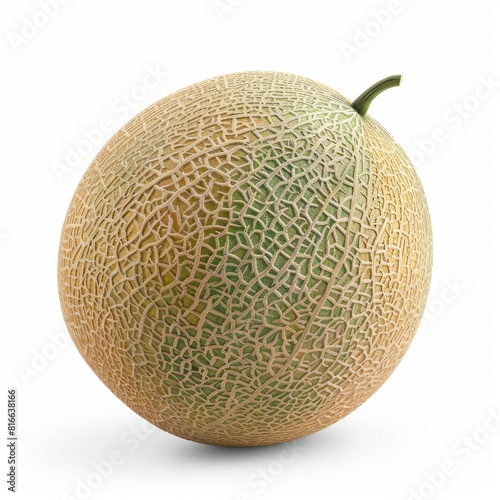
{"x":362,"y":103}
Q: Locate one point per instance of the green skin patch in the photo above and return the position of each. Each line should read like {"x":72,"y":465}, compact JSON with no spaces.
{"x":277,"y":265}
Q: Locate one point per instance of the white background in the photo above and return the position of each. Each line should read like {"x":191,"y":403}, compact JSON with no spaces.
{"x":62,"y":79}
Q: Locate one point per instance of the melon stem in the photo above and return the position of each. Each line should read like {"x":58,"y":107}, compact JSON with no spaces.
{"x":362,"y":103}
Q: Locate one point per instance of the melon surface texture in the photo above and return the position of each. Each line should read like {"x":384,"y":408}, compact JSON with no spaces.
{"x":247,"y":260}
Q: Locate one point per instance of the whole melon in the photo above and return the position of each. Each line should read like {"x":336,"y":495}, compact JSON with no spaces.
{"x":247,"y":260}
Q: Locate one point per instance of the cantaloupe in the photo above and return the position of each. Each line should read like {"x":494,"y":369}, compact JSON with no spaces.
{"x":247,"y":260}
